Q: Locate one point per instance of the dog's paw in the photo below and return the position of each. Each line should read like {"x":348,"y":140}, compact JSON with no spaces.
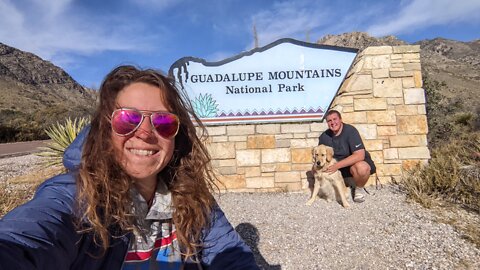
{"x":309,"y":202}
{"x":346,"y":205}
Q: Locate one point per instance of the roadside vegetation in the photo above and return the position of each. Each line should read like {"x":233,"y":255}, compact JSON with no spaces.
{"x":451,"y":180}
{"x":17,"y":190}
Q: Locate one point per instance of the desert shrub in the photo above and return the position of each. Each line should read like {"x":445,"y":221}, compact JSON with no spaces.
{"x":61,"y":135}
{"x":452,"y":174}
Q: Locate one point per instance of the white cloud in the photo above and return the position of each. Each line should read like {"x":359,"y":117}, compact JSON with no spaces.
{"x":287,"y":19}
{"x":419,"y":14}
{"x":53,"y":29}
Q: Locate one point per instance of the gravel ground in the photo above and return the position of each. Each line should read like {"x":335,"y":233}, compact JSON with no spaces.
{"x":384,"y":232}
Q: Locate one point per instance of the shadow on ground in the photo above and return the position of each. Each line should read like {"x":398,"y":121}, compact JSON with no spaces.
{"x":250,"y":235}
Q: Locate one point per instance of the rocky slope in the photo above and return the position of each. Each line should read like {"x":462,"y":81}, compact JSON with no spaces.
{"x":34,"y":93}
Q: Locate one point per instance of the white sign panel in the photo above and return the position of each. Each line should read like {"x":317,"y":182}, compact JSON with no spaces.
{"x":288,"y":80}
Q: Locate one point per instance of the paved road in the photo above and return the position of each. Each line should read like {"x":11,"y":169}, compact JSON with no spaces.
{"x":20,"y":148}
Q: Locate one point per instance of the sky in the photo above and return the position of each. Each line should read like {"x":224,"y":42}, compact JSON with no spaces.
{"x":88,"y":38}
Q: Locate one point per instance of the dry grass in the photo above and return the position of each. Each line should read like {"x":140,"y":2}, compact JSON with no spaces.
{"x":450,"y":184}
{"x":20,"y":189}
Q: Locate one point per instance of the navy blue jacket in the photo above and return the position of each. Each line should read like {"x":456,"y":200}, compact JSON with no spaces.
{"x":40,"y":233}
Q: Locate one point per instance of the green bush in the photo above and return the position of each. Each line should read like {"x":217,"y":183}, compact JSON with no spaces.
{"x":62,"y":135}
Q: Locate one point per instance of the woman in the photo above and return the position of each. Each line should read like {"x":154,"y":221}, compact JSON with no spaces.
{"x":139,"y":198}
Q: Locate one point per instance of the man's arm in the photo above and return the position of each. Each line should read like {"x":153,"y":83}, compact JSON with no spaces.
{"x":355,"y":157}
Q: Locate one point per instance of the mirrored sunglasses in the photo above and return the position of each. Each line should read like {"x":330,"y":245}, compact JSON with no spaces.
{"x":125,"y":121}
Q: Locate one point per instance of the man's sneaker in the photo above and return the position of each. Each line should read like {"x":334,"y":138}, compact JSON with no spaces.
{"x":359,"y":195}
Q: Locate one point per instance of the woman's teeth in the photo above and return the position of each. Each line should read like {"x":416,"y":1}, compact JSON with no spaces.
{"x":141,"y":152}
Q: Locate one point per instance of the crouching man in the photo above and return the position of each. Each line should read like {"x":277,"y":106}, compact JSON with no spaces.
{"x":354,"y":161}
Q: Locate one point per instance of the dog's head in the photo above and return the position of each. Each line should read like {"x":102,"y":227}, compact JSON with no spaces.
{"x":321,"y":156}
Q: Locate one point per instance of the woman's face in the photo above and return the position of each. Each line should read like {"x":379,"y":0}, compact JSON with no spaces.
{"x":144,"y":153}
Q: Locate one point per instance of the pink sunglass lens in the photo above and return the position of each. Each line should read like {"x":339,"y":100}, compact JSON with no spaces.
{"x":124,"y":121}
{"x":165,"y":124}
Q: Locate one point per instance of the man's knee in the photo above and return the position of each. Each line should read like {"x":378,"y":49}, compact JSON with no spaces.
{"x":360,"y":169}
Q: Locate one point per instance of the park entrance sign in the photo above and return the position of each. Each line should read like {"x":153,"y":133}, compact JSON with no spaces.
{"x":285,"y":81}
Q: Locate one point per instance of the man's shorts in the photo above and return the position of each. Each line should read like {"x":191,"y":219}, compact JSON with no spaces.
{"x":346,"y":171}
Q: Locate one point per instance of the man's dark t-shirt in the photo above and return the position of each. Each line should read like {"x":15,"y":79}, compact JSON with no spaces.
{"x":344,"y":145}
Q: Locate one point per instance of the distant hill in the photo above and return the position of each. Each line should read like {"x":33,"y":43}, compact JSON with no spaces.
{"x":34,"y":94}
{"x":454,"y":62}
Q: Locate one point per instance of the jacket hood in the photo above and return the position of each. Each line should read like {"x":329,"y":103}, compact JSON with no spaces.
{"x":73,"y":154}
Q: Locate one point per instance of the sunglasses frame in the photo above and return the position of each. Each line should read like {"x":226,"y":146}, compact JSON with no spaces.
{"x":144,"y":113}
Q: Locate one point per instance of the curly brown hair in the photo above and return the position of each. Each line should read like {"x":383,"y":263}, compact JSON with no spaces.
{"x":103,"y":186}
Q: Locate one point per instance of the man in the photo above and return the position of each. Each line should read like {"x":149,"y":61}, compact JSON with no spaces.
{"x":354,"y":162}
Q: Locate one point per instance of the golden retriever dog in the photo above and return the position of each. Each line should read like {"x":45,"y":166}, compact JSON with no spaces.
{"x":327,"y":185}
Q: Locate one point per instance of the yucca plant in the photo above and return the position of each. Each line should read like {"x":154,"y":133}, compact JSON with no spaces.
{"x":62,"y":135}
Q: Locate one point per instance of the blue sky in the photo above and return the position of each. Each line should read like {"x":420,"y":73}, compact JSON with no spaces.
{"x":87,"y":38}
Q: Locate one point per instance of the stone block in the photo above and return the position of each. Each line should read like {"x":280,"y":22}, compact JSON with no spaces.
{"x":386,"y":131}
{"x":225,"y":162}
{"x":303,"y":167}
{"x":373,"y":145}
{"x":275,"y":155}
{"x":401,"y":74}
{"x":221,"y":150}
{"x":376,"y":62}
{"x":390,"y":153}
{"x":406,"y":49}
{"x":227,"y":170}
{"x":417,"y":77}
{"x":412,"y":124}
{"x":240,"y":145}
{"x":299,"y":136}
{"x":408,"y":82}
{"x":380,"y":73}
{"x":411,"y":56}
{"x":373,"y":50}
{"x":367,"y":131}
{"x":252,"y":171}
{"x":377,"y":156}
{"x":283,"y":167}
{"x":294,"y":128}
{"x":287,"y":177}
{"x":369,"y":104}
{"x":303,"y":143}
{"x":414,"y":96}
{"x":260,"y":182}
{"x":282,"y":144}
{"x":302,"y":155}
{"x":240,"y":138}
{"x":406,"y":109}
{"x":389,"y":169}
{"x":381,"y":117}
{"x":395,"y":101}
{"x":267,"y":128}
{"x":231,"y":181}
{"x":361,"y":82}
{"x":420,"y":152}
{"x":248,"y":157}
{"x":216,"y":130}
{"x":355,"y":117}
{"x":391,"y":87}
{"x":345,"y":99}
{"x":413,"y":66}
{"x":318,"y":126}
{"x":219,"y":139}
{"x":408,"y":140}
{"x":241,"y":130}
{"x":261,"y":141}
